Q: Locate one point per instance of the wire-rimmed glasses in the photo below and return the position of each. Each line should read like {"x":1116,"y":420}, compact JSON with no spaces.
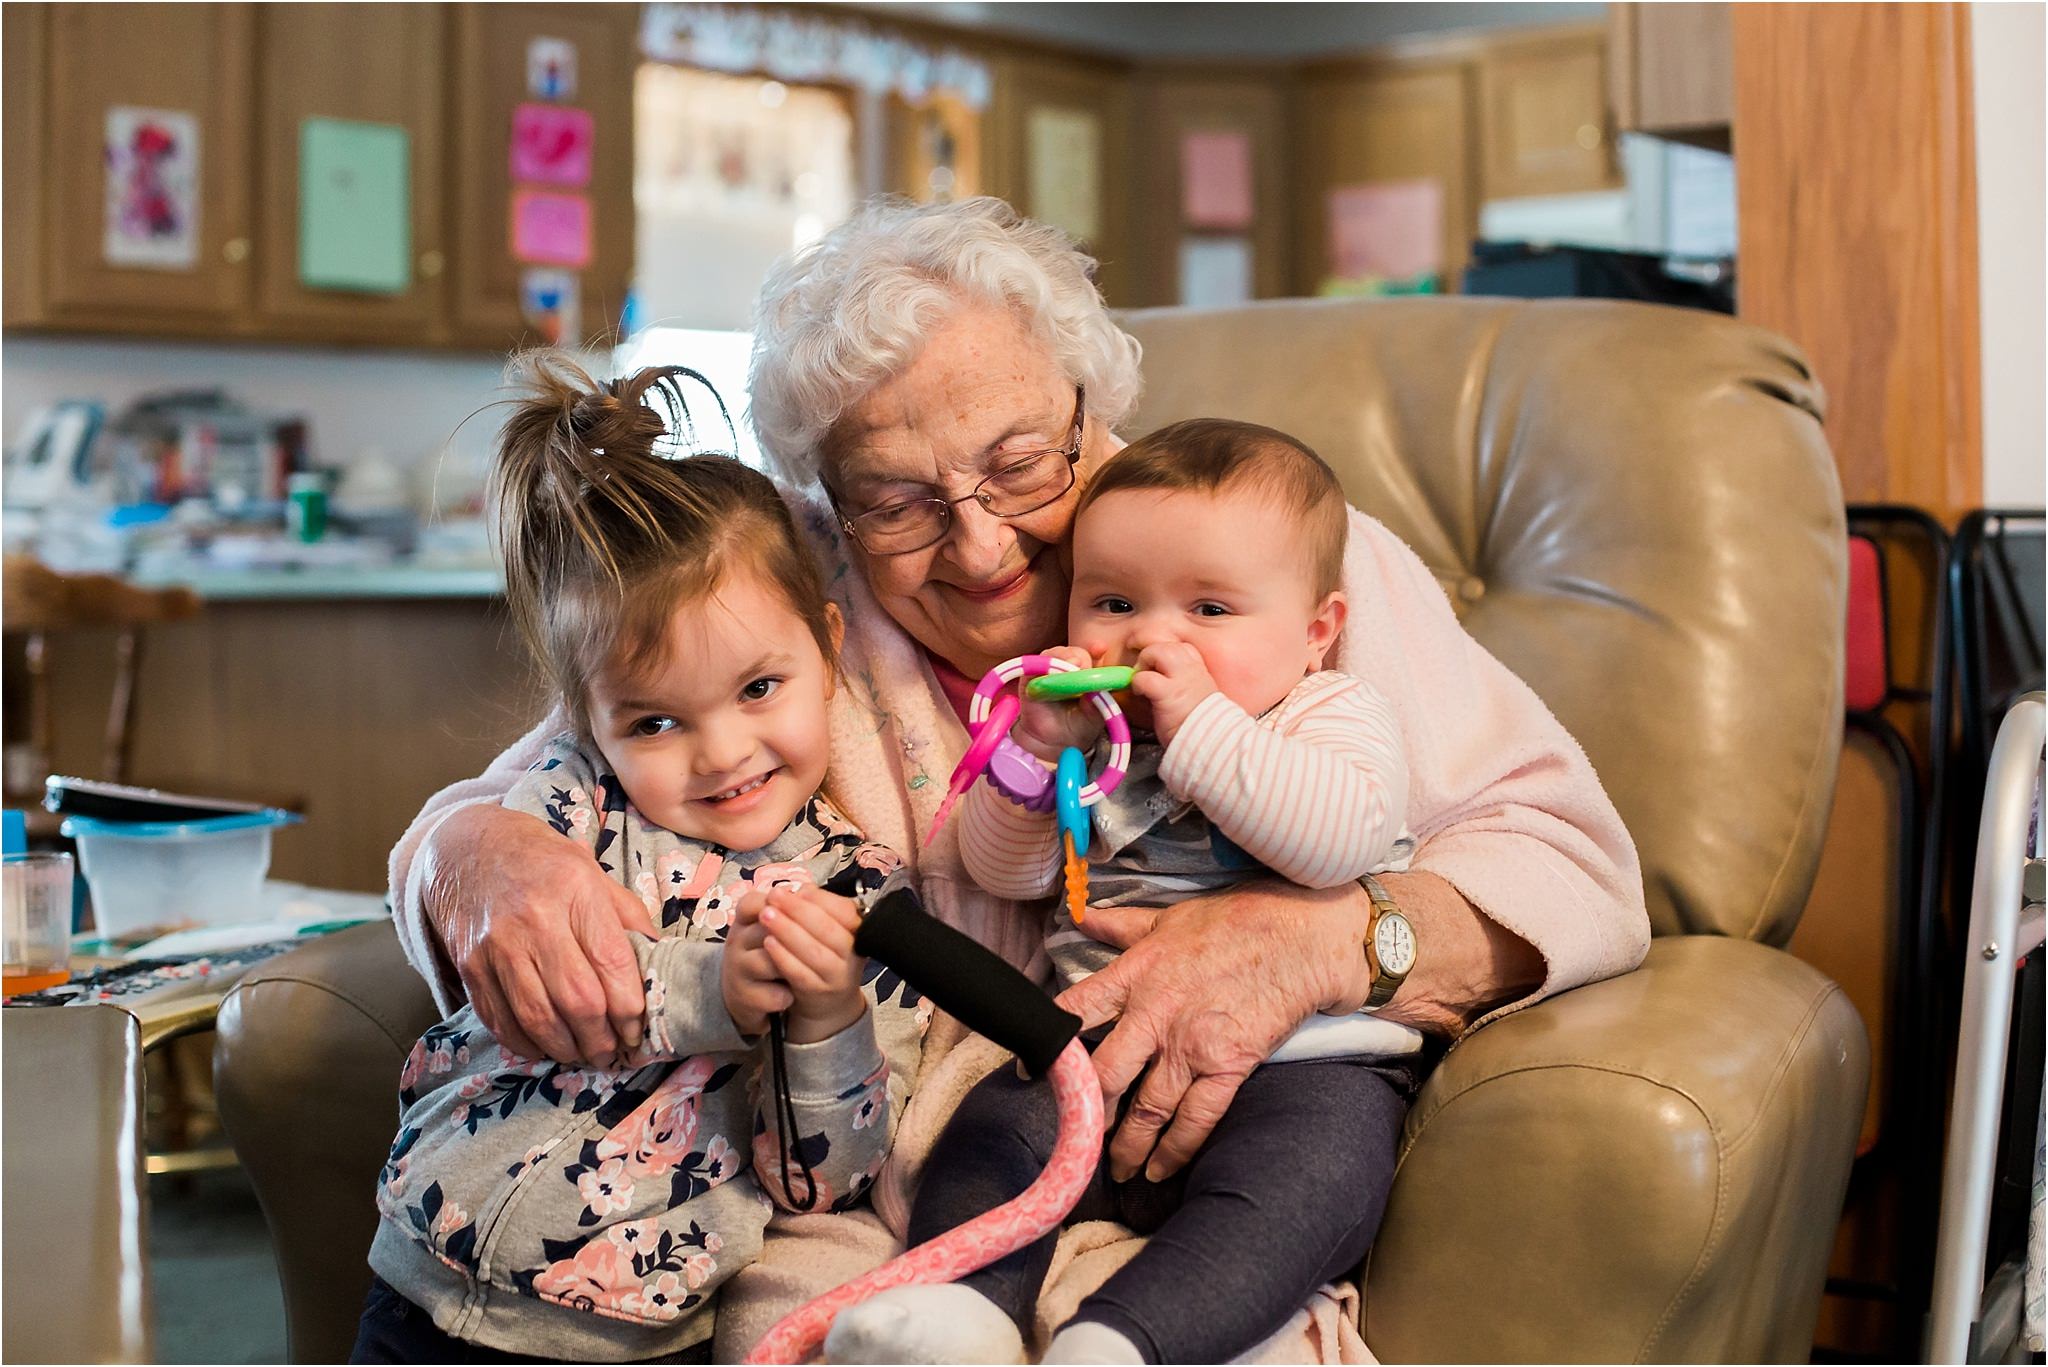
{"x":1022,"y":485}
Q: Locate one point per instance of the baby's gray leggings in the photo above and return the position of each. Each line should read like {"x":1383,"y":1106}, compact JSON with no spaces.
{"x":1286,"y":1195}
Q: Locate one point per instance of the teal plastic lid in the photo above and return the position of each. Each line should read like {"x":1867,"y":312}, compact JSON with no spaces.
{"x":75,"y":826}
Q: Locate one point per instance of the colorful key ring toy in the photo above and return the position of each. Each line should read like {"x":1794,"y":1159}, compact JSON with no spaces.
{"x":1114,"y":723}
{"x":1012,"y":770}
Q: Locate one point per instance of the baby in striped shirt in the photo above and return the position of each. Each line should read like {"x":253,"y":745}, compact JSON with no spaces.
{"x":1208,"y":556}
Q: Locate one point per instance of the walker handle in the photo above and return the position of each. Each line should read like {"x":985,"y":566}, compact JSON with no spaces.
{"x":971,"y":983}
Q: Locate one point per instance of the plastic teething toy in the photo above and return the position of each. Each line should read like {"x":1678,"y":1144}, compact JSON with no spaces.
{"x":1021,"y":778}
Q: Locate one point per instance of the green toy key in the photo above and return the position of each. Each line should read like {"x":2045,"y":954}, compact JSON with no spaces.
{"x":1076,"y":683}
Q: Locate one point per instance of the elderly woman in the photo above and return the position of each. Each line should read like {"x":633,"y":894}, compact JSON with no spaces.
{"x":935,"y":385}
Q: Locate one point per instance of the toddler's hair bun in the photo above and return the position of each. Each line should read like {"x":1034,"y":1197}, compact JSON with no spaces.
{"x":605,"y":420}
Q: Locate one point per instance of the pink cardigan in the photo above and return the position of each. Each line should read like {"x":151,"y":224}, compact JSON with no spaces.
{"x":1502,"y":802}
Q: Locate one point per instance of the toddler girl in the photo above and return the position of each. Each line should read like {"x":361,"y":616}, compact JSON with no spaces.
{"x":1208,"y":557}
{"x":591,"y":1214}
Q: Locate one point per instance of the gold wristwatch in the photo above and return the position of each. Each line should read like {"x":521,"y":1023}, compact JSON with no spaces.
{"x":1389,"y":946}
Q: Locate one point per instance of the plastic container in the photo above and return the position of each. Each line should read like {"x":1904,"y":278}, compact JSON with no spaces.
{"x":162,"y":875}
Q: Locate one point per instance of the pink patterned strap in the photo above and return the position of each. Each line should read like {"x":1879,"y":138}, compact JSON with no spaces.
{"x":1034,"y":1213}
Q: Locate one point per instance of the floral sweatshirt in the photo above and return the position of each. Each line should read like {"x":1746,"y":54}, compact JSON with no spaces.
{"x":587,"y":1215}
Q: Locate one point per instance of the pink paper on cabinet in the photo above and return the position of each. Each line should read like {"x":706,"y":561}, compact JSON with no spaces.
{"x":1393,"y":229}
{"x":551,"y":144}
{"x":1216,"y":180}
{"x":550,"y":229}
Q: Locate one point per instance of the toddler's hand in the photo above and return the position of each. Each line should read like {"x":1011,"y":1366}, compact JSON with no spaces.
{"x":753,"y":986}
{"x":1046,"y":728}
{"x":1173,"y":679}
{"x":810,"y":941}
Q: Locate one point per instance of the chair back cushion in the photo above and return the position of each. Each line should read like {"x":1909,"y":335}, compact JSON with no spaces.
{"x":1631,"y":506}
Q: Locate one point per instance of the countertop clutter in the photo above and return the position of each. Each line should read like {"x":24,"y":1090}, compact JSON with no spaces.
{"x":198,"y":489}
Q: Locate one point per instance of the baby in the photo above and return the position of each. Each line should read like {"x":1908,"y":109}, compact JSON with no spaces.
{"x":591,"y":1214}
{"x":1208,"y":557}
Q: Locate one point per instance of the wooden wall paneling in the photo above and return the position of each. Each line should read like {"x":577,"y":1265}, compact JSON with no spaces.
{"x":487,"y":81}
{"x":24,"y":66}
{"x":1169,"y":102}
{"x":1857,"y":216}
{"x":393,"y":75}
{"x":1396,"y":118}
{"x":190,"y":58}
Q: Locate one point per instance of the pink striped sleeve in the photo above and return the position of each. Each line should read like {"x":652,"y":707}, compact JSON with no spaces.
{"x":1008,"y":851}
{"x":1319,"y":797}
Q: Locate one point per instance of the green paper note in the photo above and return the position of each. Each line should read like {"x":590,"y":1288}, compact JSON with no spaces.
{"x":355,"y":207}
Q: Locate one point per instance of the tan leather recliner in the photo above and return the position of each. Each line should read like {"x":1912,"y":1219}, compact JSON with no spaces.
{"x":1634,"y":508}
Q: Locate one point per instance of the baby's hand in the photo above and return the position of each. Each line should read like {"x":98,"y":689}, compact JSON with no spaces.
{"x":1046,"y":728}
{"x":810,"y":941}
{"x":753,"y":987}
{"x":1174,"y":680}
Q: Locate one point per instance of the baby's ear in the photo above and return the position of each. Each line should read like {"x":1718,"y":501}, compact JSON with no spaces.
{"x":1324,"y":629}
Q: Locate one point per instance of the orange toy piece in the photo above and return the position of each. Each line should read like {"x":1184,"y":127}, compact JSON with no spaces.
{"x":1077,"y":880}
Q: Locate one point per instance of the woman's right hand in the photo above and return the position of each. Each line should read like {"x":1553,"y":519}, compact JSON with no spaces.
{"x":1046,"y":728}
{"x":537,"y":932}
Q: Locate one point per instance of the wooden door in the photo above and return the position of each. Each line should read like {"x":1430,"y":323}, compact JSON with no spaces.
{"x":488,"y":74}
{"x":1361,"y":123}
{"x":1544,"y":123}
{"x":192,"y":63}
{"x":380,"y":64}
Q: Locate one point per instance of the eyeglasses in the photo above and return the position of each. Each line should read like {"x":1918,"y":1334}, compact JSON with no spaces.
{"x":1024,"y":485}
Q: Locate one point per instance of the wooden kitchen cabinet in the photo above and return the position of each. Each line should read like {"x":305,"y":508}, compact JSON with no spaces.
{"x":1172,"y":104}
{"x":488,"y":79}
{"x":1076,"y":93}
{"x":1392,"y":119}
{"x":1544,"y":125}
{"x":75,"y":63}
{"x":368,"y":63}
{"x":1671,"y":71}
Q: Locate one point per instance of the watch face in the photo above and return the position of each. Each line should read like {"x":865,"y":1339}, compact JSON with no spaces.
{"x":1393,"y":940}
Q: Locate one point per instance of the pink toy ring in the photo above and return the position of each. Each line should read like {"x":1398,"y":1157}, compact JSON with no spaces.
{"x":992,"y":728}
{"x":989,"y":696}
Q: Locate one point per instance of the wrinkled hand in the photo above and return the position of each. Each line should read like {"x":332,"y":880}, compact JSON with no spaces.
{"x":1173,"y":678}
{"x":1046,"y":728}
{"x":537,"y":932}
{"x":807,"y":935}
{"x":1283,"y":951}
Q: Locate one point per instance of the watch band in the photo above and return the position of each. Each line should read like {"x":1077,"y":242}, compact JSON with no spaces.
{"x":1384,"y":984}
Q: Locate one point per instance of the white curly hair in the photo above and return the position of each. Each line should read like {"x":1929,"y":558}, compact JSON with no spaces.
{"x":843,"y":316}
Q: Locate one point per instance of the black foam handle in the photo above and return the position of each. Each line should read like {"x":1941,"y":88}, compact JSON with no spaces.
{"x":972,"y":984}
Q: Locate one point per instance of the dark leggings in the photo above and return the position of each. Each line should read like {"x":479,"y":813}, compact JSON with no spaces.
{"x":1286,"y":1195}
{"x":393,"y":1329}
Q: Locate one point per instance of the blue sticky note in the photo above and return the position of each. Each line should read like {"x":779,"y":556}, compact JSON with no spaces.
{"x":355,"y":206}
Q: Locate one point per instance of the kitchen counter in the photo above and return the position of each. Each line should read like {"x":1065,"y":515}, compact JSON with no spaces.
{"x":384,"y":581}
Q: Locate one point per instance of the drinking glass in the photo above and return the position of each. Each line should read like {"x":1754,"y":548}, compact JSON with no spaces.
{"x":35,"y":914}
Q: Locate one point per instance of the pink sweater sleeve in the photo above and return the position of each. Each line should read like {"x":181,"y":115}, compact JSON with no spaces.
{"x":1008,"y":851}
{"x":1318,"y":798}
{"x":1503,"y":804}
{"x":422,"y":950}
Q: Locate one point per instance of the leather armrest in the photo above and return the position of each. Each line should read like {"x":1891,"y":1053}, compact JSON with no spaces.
{"x":1646,"y":1169}
{"x":306,"y":1073}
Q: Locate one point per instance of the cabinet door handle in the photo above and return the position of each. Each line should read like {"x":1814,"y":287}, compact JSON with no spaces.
{"x":1590,"y":136}
{"x":431,"y":264}
{"x":235,"y":250}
